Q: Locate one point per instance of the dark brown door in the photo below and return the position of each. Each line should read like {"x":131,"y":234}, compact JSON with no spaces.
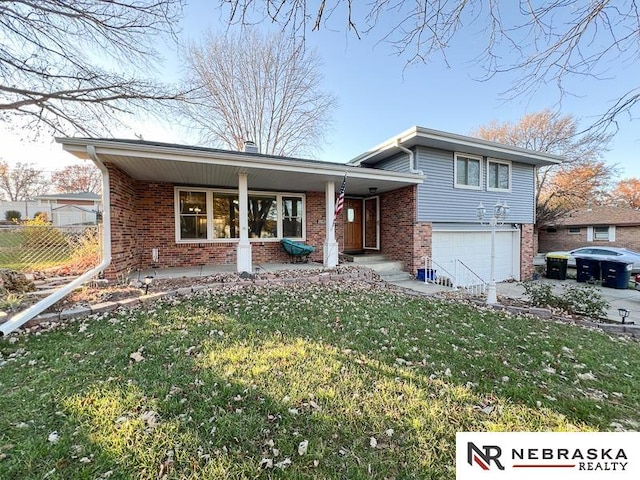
{"x":352,"y":225}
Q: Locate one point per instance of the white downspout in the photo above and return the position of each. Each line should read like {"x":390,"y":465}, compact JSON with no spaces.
{"x":412,"y":158}
{"x":23,"y":317}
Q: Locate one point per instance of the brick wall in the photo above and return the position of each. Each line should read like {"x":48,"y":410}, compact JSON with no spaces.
{"x":527,"y":251}
{"x":124,"y":226}
{"x":143,"y":218}
{"x":561,"y":240}
{"x":401,"y":237}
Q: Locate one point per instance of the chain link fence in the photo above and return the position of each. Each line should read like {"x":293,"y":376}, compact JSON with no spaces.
{"x":30,"y":248}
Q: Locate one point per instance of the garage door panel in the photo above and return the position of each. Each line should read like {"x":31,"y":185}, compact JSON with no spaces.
{"x":474,"y":250}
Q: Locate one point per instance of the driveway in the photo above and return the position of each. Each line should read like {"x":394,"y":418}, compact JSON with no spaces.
{"x":629,"y":299}
{"x":617,"y":298}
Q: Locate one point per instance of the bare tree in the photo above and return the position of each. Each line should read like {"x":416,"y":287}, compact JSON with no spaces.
{"x":260,"y":88}
{"x":559,"y":188}
{"x":543,"y":43}
{"x":75,"y":65}
{"x":22,"y":182}
{"x":77,"y":178}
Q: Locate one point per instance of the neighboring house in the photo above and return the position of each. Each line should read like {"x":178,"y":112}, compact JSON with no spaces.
{"x":412,"y":197}
{"x":79,"y":208}
{"x":611,"y":226}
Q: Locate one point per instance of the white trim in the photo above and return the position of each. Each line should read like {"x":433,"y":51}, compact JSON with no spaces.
{"x":500,"y":162}
{"x":455,"y":171}
{"x":612,"y":233}
{"x":251,"y":193}
{"x":589,"y":234}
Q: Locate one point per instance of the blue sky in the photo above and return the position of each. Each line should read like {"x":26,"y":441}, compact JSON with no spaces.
{"x":378,"y":97}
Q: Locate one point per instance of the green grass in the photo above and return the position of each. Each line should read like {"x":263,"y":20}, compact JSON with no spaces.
{"x":375,"y":381}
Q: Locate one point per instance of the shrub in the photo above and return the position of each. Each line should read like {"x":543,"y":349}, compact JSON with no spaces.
{"x":12,"y":216}
{"x":577,"y":299}
{"x":41,"y":215}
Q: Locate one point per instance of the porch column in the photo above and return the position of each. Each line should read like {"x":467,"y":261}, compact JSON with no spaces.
{"x":330,"y":249}
{"x":244,"y":246}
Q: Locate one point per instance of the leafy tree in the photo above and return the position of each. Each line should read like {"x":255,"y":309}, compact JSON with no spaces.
{"x":542,"y":43}
{"x":21,"y":182}
{"x":77,"y":178}
{"x":260,"y":88}
{"x":75,"y":65}
{"x":580,"y":178}
{"x":627,"y":191}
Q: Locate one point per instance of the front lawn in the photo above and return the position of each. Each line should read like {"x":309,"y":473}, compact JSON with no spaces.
{"x":341,"y":380}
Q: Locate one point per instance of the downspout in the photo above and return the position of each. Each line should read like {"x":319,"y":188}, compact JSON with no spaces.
{"x":23,"y":317}
{"x":412,"y":158}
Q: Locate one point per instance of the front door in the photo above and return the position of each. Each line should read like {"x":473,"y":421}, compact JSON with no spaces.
{"x":352,"y":225}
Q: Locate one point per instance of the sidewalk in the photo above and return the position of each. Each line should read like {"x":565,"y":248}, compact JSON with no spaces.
{"x":629,"y":299}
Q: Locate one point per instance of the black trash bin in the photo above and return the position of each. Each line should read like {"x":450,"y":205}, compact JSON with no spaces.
{"x":557,"y":266}
{"x":587,"y":269}
{"x":615,"y":274}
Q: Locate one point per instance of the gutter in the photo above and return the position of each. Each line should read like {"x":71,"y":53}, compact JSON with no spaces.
{"x":412,"y":157}
{"x":23,"y":317}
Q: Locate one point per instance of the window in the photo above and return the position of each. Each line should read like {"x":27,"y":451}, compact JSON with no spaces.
{"x":574,"y":230}
{"x":225,"y":216}
{"x":498,"y":175}
{"x":601,"y":233}
{"x":468,"y":171}
{"x":263,"y":217}
{"x":193,"y":214}
{"x":292,"y":217}
{"x":205,"y":215}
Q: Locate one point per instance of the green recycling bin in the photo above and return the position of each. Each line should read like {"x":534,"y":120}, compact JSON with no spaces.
{"x":557,"y":266}
{"x":615,"y":274}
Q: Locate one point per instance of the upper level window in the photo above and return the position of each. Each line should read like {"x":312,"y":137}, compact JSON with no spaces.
{"x":498,"y":175}
{"x":203,"y":215}
{"x":574,"y":230}
{"x":468,"y":171}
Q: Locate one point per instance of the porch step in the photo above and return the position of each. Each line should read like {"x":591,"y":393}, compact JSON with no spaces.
{"x":389,"y":270}
{"x":395,"y":276}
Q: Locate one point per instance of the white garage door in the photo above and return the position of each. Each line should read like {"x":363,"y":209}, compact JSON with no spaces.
{"x":474,"y":250}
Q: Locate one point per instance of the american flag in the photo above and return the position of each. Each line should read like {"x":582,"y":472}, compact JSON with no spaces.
{"x":340,"y":201}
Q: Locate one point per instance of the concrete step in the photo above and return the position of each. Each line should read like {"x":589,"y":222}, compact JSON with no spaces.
{"x":395,"y":276}
{"x":365,"y":259}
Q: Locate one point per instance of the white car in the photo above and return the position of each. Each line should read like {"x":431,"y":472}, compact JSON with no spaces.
{"x":602,"y":253}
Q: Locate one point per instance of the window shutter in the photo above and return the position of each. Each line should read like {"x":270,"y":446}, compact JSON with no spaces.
{"x":589,"y":234}
{"x":612,"y":233}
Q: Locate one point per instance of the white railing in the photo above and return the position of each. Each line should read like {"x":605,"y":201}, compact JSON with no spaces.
{"x":436,"y":274}
{"x":468,"y":280}
{"x":463,"y":277}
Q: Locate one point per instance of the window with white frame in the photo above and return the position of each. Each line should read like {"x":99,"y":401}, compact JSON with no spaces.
{"x":574,"y":230}
{"x":468,"y":171}
{"x":206,"y":214}
{"x":498,"y":175}
{"x":601,"y":233}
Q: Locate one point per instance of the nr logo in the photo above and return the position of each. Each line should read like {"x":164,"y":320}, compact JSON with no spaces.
{"x":484,"y":456}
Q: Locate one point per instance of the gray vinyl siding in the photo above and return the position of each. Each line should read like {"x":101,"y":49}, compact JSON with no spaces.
{"x":399,"y":164}
{"x":439,"y":201}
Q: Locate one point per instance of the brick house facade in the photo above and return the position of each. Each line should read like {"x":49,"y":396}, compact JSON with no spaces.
{"x":151,"y":185}
{"x":598,"y":226}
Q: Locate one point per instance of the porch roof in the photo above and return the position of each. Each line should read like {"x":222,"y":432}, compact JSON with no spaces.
{"x":200,"y":166}
{"x":426,"y":137}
